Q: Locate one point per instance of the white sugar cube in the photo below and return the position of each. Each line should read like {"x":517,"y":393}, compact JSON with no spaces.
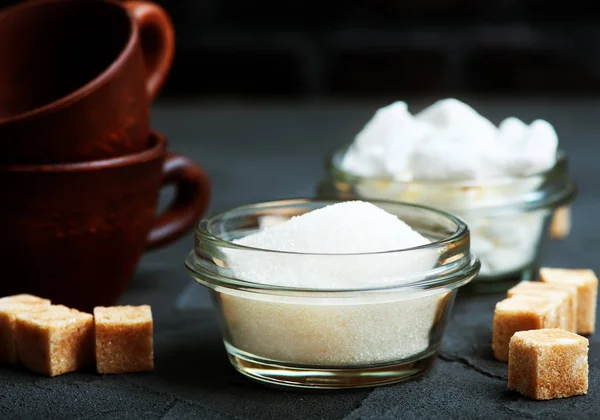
{"x":512,"y":131}
{"x":454,"y":119}
{"x":541,"y":146}
{"x":382,"y":147}
{"x":526,"y":149}
{"x":451,"y":149}
{"x":367,"y":164}
{"x":382,"y":126}
{"x":446,"y":112}
{"x":441,"y":157}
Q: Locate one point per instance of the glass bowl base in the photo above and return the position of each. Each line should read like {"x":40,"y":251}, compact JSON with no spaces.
{"x":317,"y":377}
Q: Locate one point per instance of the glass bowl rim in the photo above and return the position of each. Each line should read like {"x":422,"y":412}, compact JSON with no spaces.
{"x":554,"y":188}
{"x":461,"y":231}
{"x":447,"y":278}
{"x":335,"y":157}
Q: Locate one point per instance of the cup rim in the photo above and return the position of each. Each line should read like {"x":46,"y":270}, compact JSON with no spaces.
{"x":91,"y":85}
{"x":157,"y":149}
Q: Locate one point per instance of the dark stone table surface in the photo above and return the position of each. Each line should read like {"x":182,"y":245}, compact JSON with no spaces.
{"x":261,"y":152}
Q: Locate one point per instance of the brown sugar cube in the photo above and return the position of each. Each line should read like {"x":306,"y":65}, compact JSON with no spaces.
{"x":56,"y":340}
{"x":548,"y":363}
{"x":521,"y":313}
{"x":560,"y":226}
{"x":124,"y":339}
{"x":566,"y":294}
{"x":586,"y":283}
{"x":8,"y":314}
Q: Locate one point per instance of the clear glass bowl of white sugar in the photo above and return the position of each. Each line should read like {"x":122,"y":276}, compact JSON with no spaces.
{"x":332,"y":318}
{"x":507,"y":217}
{"x":504,"y":181}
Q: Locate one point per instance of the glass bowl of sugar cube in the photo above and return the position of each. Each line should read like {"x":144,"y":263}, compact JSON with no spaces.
{"x":332,"y":294}
{"x":504,"y":181}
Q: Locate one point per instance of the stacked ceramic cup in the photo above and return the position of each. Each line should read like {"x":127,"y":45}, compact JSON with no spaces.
{"x":80,"y":167}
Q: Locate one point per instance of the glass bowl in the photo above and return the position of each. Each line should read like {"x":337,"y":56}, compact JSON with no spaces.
{"x":507,"y":217}
{"x":387,"y":330}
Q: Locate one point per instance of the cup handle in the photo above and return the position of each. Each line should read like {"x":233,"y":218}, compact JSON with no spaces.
{"x":157,"y":37}
{"x":191,"y":200}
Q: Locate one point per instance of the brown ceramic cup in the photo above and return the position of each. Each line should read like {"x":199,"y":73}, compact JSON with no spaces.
{"x":77,"y":78}
{"x":74,"y":233}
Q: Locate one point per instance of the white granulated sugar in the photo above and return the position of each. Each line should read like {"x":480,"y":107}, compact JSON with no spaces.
{"x":332,"y":335}
{"x":352,"y":227}
{"x":343,"y":228}
{"x":322,"y":331}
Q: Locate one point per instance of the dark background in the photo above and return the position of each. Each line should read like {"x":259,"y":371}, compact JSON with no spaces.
{"x":275,"y":49}
{"x":341,"y":50}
